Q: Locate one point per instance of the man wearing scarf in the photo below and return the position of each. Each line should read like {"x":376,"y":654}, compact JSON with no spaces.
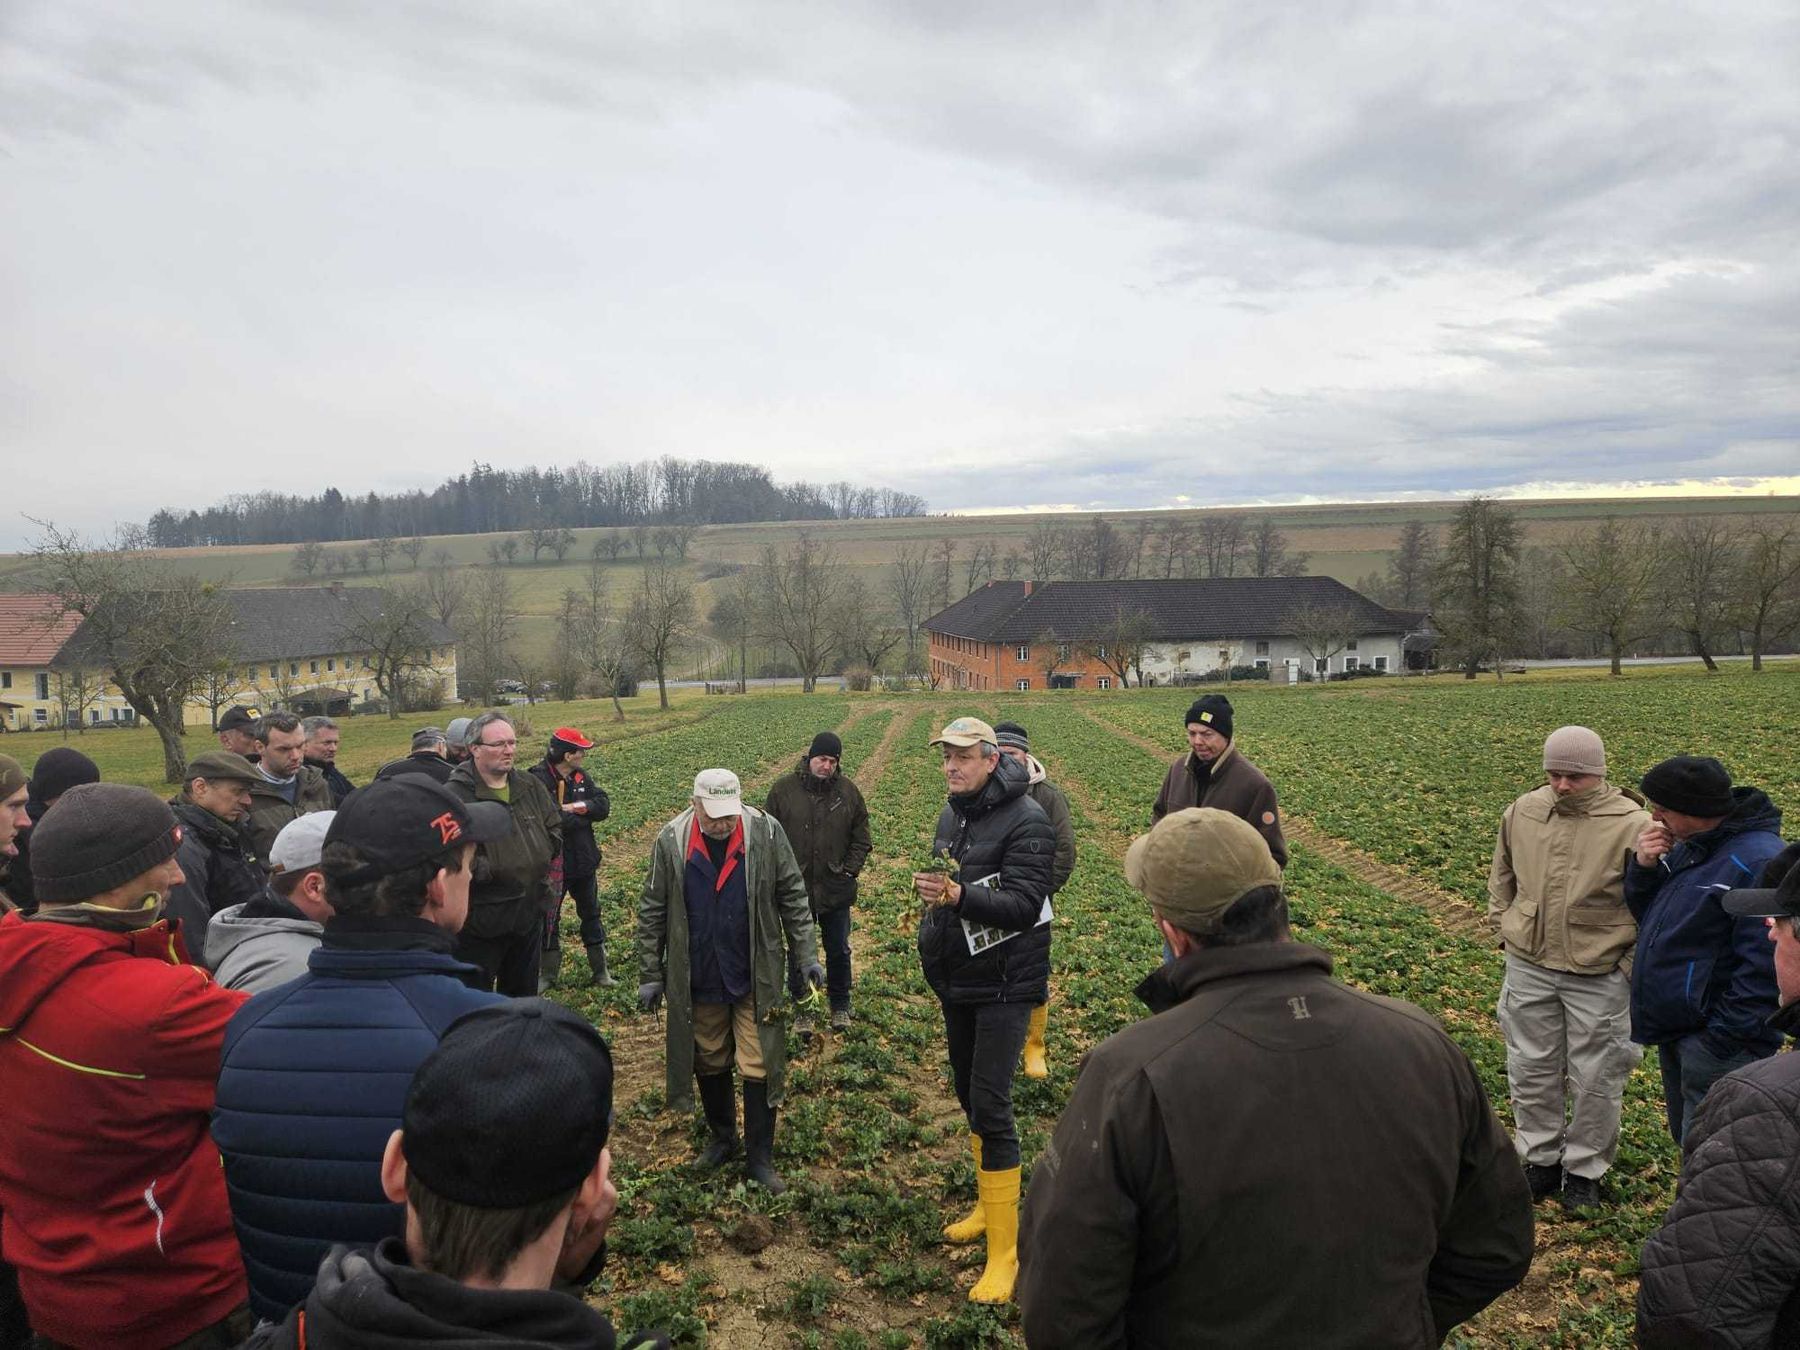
{"x":115,"y":1208}
{"x":1556,"y":894}
{"x":723,"y":913}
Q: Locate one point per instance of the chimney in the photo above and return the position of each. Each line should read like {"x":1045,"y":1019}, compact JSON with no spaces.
{"x":1028,"y":588}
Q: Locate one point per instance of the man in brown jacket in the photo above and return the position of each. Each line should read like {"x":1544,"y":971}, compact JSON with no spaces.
{"x":286,"y":787}
{"x":1274,"y":1158}
{"x":1214,"y":774}
{"x":1556,"y":894}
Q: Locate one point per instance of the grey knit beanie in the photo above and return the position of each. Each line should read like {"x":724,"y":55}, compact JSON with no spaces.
{"x":98,"y":836}
{"x":1574,"y":750}
{"x":1011,"y":733}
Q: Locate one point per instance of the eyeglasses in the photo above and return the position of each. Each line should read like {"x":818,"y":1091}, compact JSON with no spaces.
{"x":496,"y":745}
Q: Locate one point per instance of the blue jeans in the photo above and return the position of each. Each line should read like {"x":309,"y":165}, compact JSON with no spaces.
{"x":834,"y":938}
{"x":1689,"y":1068}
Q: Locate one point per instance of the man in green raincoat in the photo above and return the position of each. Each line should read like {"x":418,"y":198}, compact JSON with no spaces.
{"x":724,"y":907}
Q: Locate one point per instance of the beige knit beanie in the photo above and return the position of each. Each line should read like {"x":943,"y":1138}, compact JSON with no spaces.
{"x":1574,"y":750}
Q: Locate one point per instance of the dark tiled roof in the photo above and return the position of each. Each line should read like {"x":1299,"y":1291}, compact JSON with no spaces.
{"x":293,"y":621}
{"x":1218,"y":607}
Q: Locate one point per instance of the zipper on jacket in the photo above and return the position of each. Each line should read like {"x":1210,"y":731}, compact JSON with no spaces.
{"x":1687,"y":986}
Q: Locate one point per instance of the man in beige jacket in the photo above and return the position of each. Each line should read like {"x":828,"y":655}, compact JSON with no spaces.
{"x":1556,"y":894}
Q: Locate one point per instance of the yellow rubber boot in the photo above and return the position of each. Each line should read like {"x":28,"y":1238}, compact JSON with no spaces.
{"x":1035,"y":1064}
{"x":1000,"y":1199}
{"x":967,"y":1230}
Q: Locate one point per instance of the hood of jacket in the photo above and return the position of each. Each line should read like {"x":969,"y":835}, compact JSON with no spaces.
{"x":215,"y":832}
{"x":36,"y":957}
{"x":812,"y":783}
{"x":376,"y":1299}
{"x":1751,"y":810}
{"x":232,"y":927}
{"x":1008,"y":781}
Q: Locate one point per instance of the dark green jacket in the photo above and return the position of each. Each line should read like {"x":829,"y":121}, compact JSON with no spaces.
{"x":269,"y":810}
{"x":510,"y":887}
{"x":828,"y":827}
{"x":781,"y":932}
{"x":1047,"y":795}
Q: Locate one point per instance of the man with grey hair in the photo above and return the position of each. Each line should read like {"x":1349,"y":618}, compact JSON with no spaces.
{"x":511,"y":892}
{"x":322,"y":740}
{"x":456,"y":740}
{"x":1556,"y":894}
{"x":723,"y":913}
{"x":428,"y":756}
{"x":1266,"y":1096}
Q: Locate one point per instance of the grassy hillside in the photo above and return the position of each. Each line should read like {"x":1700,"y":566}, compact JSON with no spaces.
{"x":1343,"y":541}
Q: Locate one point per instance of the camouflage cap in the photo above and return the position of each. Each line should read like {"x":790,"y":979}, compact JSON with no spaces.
{"x":1198,"y":863}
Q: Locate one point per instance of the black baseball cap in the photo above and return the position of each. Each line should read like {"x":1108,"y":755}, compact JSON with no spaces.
{"x":401,"y":821}
{"x":240,"y":718}
{"x":524,"y":1069}
{"x":1779,"y":893}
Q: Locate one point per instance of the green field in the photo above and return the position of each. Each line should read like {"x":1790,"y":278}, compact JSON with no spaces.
{"x":1411,"y":775}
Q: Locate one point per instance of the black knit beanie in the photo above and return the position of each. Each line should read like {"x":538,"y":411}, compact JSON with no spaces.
{"x":826,"y":743}
{"x":97,"y":836}
{"x":1211,"y":710}
{"x":1695,"y":785}
{"x":58,"y":770}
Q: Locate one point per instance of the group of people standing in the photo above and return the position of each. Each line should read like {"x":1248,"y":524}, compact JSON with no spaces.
{"x":1266,"y":1127}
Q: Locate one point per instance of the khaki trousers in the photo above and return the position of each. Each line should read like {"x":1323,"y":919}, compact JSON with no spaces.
{"x":724,"y":1029}
{"x":1568,"y":1049}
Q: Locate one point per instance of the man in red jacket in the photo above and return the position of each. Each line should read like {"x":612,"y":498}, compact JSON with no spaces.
{"x":114,"y":1200}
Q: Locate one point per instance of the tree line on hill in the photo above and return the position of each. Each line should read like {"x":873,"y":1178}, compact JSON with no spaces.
{"x":486,"y":500}
{"x":1703,"y":585}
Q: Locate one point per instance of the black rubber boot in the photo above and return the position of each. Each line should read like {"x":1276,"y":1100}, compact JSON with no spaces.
{"x":720,"y":1105}
{"x":759,"y":1137}
{"x":596,"y":954}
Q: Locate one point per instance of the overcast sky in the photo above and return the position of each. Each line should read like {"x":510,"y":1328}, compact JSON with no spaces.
{"x":1001,"y":255}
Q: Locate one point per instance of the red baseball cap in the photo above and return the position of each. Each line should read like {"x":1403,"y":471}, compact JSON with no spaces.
{"x":572,"y":738}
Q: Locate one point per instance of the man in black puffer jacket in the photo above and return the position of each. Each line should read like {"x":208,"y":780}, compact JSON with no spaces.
{"x":1724,"y":1269}
{"x":984,"y":942}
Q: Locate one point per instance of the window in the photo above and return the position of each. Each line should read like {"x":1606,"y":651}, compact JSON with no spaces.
{"x":1100,"y":651}
{"x":1350,"y":646}
{"x":1062,"y":651}
{"x":1262,"y":663}
{"x":1262,"y":649}
{"x":312,"y":667}
{"x":5,"y":679}
{"x":272,"y":672}
{"x":43,"y":686}
{"x":293,"y":667}
{"x":330,"y":663}
{"x":1104,"y":682}
{"x":1350,"y":663}
{"x":1381,"y":663}
{"x":94,"y":716}
{"x":1021,"y":685}
{"x":1322,"y":666}
{"x":41,"y":716}
{"x":1024,"y":652}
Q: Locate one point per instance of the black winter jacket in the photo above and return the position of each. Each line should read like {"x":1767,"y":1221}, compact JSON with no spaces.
{"x":828,"y":824}
{"x":218,"y":871}
{"x":434,"y":767}
{"x":1724,"y":1269}
{"x":581,"y":855}
{"x":378,"y":1300}
{"x":341,"y":787}
{"x":1005,"y":847}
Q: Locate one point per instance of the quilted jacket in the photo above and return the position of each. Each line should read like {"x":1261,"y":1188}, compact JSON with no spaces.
{"x":1724,"y":1269}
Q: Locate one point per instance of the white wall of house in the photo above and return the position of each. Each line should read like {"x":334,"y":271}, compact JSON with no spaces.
{"x":1165,"y":661}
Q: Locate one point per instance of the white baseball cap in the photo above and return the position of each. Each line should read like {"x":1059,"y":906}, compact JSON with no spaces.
{"x":300,"y":842}
{"x":718,"y":791}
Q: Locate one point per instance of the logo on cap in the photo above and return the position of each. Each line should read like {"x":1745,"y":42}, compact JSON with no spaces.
{"x":448,"y":828}
{"x":1206,"y":717}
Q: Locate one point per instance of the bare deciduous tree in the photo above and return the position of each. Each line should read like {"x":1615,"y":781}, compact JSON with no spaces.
{"x":1700,"y":566}
{"x":907,"y":586}
{"x":155,"y":631}
{"x":489,"y":622}
{"x":797,"y":594}
{"x":1119,"y":642}
{"x":866,"y":632}
{"x":601,"y":640}
{"x":1475,"y":585}
{"x":1043,"y":549}
{"x":1409,"y":570}
{"x":1766,"y":599}
{"x":1322,"y":630}
{"x":445,"y":588}
{"x":659,"y":619}
{"x":1270,"y":553}
{"x":979,"y":568}
{"x":1610,"y":585}
{"x":393,"y":630}
{"x":308,"y":557}
{"x":414,"y":549}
